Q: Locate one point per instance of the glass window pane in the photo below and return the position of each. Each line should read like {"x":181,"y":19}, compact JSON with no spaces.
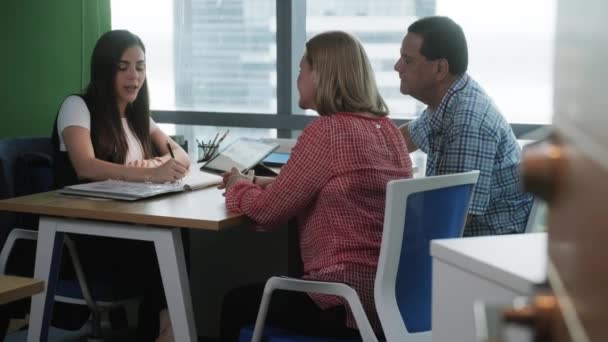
{"x":206,"y":55}
{"x":380,"y":25}
{"x":511,"y":59}
{"x":156,"y":31}
{"x":510,"y":52}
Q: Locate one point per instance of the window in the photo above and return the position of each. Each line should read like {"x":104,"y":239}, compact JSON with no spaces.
{"x":214,"y":63}
{"x":510,"y":52}
{"x":380,"y":25}
{"x":155,"y":29}
{"x":206,"y":55}
{"x":510,"y":46}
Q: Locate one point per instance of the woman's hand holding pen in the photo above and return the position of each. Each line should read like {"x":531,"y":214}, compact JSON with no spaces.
{"x":170,"y":171}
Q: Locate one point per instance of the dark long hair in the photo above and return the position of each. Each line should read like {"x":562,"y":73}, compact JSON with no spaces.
{"x":107,"y":134}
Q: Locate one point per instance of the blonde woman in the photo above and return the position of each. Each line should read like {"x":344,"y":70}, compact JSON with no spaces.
{"x":333,"y":184}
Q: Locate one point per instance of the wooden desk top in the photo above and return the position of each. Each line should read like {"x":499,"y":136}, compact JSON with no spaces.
{"x":199,"y":209}
{"x":14,"y":288}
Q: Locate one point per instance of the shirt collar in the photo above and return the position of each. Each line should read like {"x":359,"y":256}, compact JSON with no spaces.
{"x":436,"y":117}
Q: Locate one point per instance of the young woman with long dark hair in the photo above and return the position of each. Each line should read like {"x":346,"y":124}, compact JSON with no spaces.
{"x":107,"y":133}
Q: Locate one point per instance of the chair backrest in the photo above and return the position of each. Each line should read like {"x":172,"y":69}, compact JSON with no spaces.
{"x":25,"y":168}
{"x":417,"y":211}
{"x":14,"y":152}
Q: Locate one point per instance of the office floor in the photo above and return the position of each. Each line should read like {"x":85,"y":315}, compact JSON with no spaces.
{"x":60,"y":335}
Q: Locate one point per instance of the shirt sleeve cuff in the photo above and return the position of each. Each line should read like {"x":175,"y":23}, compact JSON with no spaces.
{"x":235,"y":194}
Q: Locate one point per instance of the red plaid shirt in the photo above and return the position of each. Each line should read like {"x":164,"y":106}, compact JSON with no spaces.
{"x":335,"y":184}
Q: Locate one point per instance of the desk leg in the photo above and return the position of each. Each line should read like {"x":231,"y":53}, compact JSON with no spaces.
{"x":171,"y":260}
{"x":48,"y":260}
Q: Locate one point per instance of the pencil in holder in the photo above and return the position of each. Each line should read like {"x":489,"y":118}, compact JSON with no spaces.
{"x":207,"y":151}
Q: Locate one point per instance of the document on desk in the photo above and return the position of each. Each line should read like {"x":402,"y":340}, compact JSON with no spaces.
{"x":131,"y":191}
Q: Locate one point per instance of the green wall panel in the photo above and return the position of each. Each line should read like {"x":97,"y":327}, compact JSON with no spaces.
{"x":43,"y":47}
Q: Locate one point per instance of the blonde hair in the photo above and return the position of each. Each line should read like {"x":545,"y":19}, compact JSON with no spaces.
{"x":345,"y":79}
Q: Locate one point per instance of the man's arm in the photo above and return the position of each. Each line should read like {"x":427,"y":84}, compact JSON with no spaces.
{"x":411,"y":147}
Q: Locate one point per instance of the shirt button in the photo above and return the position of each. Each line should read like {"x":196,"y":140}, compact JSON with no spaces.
{"x":377,"y":126}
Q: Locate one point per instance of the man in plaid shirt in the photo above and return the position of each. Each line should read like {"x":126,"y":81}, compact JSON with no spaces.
{"x":461,"y":129}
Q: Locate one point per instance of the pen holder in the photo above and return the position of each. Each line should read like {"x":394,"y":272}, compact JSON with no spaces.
{"x":207,"y":151}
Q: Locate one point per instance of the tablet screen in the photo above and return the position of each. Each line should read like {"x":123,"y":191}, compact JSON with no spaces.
{"x":243,"y":154}
{"x":276,"y":159}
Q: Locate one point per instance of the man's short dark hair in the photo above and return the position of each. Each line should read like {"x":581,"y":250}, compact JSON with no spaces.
{"x":442,"y":38}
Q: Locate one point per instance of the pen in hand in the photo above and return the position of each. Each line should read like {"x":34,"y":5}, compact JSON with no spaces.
{"x":170,"y":150}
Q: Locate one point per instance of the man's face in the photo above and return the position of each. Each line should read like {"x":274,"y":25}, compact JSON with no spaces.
{"x":417,"y":74}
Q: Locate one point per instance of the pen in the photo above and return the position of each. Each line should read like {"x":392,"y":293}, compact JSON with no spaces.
{"x":170,"y":150}
{"x":208,"y":149}
{"x":223,"y":136}
{"x":215,"y":139}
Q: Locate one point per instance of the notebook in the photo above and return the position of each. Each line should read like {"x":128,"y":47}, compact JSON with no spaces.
{"x":131,"y":191}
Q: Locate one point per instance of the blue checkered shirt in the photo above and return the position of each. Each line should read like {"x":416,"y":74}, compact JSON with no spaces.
{"x":467,"y":132}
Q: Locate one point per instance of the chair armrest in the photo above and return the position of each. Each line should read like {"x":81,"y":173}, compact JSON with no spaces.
{"x":14,"y":235}
{"x":299,"y":285}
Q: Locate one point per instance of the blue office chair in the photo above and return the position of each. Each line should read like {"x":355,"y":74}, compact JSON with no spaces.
{"x":26,"y":168}
{"x":417,"y":211}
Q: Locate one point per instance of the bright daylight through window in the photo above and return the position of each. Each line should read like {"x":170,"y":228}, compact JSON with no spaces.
{"x":220,"y":55}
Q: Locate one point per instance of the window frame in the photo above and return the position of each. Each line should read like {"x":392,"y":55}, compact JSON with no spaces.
{"x":291,"y":36}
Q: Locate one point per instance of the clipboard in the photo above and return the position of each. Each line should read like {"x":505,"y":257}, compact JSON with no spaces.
{"x":244,"y":154}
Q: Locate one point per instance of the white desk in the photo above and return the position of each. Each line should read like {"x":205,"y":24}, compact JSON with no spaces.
{"x":492,"y":269}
